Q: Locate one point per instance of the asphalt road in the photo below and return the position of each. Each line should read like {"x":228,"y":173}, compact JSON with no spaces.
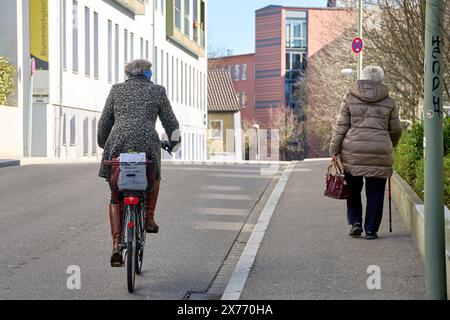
{"x":56,"y":216}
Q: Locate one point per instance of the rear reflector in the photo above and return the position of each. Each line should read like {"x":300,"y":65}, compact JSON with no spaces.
{"x":130,"y":225}
{"x":131,"y":200}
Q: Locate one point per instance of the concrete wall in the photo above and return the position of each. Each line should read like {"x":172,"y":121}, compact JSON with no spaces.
{"x":411,"y":209}
{"x":10,"y":137}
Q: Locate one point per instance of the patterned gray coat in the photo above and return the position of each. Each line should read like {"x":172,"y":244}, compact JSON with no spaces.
{"x":128,"y":121}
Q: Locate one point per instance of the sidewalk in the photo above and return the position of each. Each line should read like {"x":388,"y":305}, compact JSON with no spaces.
{"x":9,"y":163}
{"x":307,"y":253}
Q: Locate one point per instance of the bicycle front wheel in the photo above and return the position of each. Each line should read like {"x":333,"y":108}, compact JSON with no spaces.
{"x":131,"y":249}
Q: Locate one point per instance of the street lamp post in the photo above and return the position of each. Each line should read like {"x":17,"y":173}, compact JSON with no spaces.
{"x":435,"y":272}
{"x":360,"y":35}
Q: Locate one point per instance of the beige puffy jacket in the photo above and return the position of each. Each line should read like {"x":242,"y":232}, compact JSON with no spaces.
{"x":367,"y":130}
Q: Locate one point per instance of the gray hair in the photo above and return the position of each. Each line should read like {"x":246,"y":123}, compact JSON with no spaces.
{"x":137,"y":67}
{"x":374,"y":73}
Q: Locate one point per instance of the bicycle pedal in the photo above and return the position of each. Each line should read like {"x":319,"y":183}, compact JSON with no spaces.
{"x":117,"y":264}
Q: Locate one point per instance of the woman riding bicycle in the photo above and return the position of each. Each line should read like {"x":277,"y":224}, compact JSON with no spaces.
{"x":128,"y":123}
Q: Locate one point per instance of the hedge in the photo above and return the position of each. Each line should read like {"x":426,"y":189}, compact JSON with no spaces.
{"x":409,"y":162}
{"x":7,"y":74}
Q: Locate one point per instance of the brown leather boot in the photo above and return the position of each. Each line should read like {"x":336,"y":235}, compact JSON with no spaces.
{"x":115,"y":218}
{"x":150,"y":224}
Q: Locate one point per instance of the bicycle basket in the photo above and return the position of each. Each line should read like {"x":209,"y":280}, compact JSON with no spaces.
{"x":133,"y":174}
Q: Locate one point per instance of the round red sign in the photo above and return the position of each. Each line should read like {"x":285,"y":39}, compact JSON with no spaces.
{"x":357,"y":45}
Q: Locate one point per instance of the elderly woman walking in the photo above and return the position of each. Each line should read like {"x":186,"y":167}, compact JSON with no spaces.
{"x":128,"y":123}
{"x":367,"y":130}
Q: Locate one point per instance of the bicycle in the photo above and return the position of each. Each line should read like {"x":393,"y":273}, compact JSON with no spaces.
{"x":133,"y":234}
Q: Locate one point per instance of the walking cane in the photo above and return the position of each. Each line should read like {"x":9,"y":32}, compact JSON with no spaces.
{"x":390,"y":207}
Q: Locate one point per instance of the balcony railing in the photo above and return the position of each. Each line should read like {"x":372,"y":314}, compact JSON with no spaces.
{"x":135,"y":6}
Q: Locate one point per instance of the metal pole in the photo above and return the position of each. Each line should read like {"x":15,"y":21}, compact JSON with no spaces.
{"x":360,"y":35}
{"x":435,"y":272}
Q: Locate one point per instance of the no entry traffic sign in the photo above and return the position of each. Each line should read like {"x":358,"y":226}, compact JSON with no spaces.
{"x":357,"y":45}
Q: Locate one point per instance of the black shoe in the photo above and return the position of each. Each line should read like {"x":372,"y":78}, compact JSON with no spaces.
{"x":356,"y":230}
{"x":371,"y":235}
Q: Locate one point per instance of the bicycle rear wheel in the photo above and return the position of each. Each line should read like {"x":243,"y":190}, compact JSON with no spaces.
{"x":131,"y":249}
{"x":141,"y":240}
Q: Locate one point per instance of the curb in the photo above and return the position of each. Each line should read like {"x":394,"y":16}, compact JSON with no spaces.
{"x":9,"y":163}
{"x":411,"y":209}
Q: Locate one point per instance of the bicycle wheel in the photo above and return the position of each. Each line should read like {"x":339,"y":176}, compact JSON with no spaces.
{"x":131,"y":248}
{"x":141,"y":241}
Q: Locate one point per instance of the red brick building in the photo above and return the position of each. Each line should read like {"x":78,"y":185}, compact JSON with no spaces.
{"x":241,"y":68}
{"x":286,"y":37}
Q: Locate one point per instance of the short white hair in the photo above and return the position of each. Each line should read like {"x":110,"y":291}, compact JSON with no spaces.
{"x":374,"y":73}
{"x":137,"y":67}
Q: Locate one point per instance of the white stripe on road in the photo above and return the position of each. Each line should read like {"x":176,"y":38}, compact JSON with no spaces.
{"x":239,"y":277}
{"x":222,"y":188}
{"x":223,"y":196}
{"x":223,"y":211}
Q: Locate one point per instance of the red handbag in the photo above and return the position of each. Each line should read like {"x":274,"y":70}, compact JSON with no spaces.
{"x":335,"y":185}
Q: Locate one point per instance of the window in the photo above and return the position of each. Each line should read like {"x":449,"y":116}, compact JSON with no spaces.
{"x":94,"y":137}
{"x":186,"y":79}
{"x":64,"y":129}
{"x":190,"y":86}
{"x":75,"y":36}
{"x":95,"y":45}
{"x":173,"y":76}
{"x":229,"y":70}
{"x":296,"y":33}
{"x":178,"y":14}
{"x":244,"y":72}
{"x":155,"y":66}
{"x":215,"y":131}
{"x":178,"y":80}
{"x":187,"y":20}
{"x":85,"y":136}
{"x":162,"y":67}
{"x":125,"y":46}
{"x":132,"y":46}
{"x":109,"y":51}
{"x":195,"y":14}
{"x":162,"y":6}
{"x":116,"y":53}
{"x":72,"y":131}
{"x":87,"y":41}
{"x":64,"y":34}
{"x":167,"y":73}
{"x":182,"y":84}
{"x":142,"y":48}
{"x":244,"y":100}
{"x":146,"y":49}
{"x":236,"y":72}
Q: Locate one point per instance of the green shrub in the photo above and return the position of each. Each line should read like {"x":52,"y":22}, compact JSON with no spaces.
{"x":408,"y":152}
{"x":447,"y":180}
{"x":7,"y":73}
{"x":419,"y":183}
{"x":410,"y":164}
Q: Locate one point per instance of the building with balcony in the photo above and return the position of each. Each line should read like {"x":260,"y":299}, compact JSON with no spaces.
{"x":80,"y":48}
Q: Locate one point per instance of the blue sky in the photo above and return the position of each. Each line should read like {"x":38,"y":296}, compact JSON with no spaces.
{"x":231,"y":23}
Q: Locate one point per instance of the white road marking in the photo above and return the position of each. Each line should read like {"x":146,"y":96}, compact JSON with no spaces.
{"x":218,"y":225}
{"x":223,"y":211}
{"x":241,"y":176}
{"x":222,"y":188}
{"x":223,"y":196}
{"x":239,"y":277}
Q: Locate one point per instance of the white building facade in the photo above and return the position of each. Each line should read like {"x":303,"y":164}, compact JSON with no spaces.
{"x":84,"y":51}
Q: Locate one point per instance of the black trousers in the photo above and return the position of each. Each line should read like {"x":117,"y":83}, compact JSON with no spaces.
{"x":375,"y":190}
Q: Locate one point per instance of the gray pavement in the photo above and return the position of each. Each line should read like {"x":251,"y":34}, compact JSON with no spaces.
{"x":54,"y":216}
{"x":307,"y":253}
